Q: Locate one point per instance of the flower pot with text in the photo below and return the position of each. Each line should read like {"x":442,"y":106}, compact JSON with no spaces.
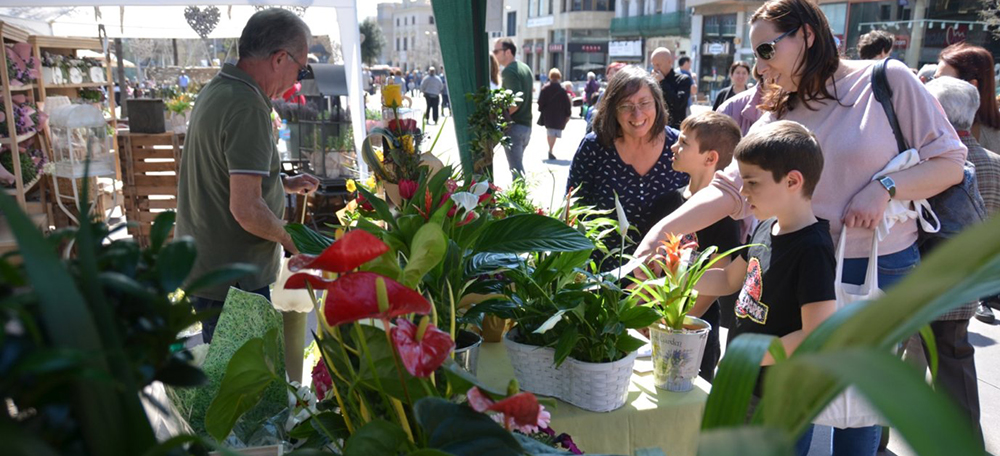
{"x":467,"y":345}
{"x":677,"y":353}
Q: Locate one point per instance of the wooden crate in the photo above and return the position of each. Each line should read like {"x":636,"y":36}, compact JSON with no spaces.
{"x":150,"y":166}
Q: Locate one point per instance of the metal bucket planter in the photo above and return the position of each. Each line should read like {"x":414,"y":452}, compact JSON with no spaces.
{"x":467,"y":345}
{"x":677,"y":353}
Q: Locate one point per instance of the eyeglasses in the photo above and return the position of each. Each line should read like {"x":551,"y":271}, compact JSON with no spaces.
{"x":497,"y":51}
{"x":642,"y":106}
{"x":765,"y":51}
{"x":303,"y":69}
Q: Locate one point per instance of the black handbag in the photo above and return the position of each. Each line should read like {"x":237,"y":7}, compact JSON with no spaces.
{"x":957,"y":207}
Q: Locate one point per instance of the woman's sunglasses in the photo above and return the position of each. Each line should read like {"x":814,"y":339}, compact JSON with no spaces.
{"x":765,"y":51}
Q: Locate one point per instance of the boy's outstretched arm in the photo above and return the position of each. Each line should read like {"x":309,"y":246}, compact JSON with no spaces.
{"x":723,"y":281}
{"x":813,"y":314}
{"x":705,"y":300}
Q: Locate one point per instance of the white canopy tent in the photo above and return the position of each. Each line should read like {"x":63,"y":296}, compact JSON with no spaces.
{"x":165,"y":19}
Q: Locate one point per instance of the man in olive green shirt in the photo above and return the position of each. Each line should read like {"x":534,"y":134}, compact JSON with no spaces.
{"x":516,"y":77}
{"x":231,"y":192}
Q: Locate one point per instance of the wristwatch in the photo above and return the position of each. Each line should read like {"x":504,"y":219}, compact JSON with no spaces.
{"x":889,"y":184}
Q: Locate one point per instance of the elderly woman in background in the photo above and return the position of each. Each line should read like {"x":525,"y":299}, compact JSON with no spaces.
{"x":554,"y":107}
{"x":628,"y":153}
{"x":974,"y":65}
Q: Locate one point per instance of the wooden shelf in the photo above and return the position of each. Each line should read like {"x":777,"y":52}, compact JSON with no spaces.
{"x":58,"y":42}
{"x":20,"y":138}
{"x":27,"y":186}
{"x":23,"y":88}
{"x":85,"y":85}
{"x":7,"y":240}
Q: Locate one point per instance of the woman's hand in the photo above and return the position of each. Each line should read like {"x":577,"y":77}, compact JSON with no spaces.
{"x":867,"y":207}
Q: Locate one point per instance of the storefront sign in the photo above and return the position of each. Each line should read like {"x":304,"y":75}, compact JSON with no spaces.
{"x":556,"y":47}
{"x":590,"y":48}
{"x":901,"y":42}
{"x":540,"y":48}
{"x":625,"y":48}
{"x":540,"y":21}
{"x":716,"y":49}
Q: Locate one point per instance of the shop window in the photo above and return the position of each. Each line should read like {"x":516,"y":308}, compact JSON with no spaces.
{"x":512,"y":23}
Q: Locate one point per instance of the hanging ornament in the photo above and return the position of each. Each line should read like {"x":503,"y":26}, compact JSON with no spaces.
{"x":203,"y":21}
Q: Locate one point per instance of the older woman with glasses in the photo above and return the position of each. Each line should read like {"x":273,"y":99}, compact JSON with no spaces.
{"x":627,"y":154}
{"x":809,"y":83}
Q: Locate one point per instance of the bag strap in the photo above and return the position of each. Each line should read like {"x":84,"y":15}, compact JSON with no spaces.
{"x":883,"y":93}
{"x":871,"y":273}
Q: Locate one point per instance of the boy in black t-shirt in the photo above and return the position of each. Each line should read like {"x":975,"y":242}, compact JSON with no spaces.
{"x":786,"y":283}
{"x":704,"y":146}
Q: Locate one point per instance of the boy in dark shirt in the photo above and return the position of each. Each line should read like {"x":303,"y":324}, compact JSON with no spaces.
{"x":786,"y":283}
{"x":704,"y":146}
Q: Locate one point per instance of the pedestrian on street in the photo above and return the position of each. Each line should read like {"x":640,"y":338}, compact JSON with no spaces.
{"x":675,"y":86}
{"x":684,"y":66}
{"x":876,"y":45}
{"x":589,"y":91}
{"x":432,"y":86}
{"x":797,"y":53}
{"x":628,"y":155}
{"x":517,"y":78}
{"x":974,"y":64}
{"x":739,"y":74}
{"x":231,"y":194}
{"x":554,"y":109}
{"x":445,"y":98}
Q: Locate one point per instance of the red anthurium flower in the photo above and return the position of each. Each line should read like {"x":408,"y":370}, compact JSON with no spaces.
{"x":352,"y":297}
{"x":521,"y":410}
{"x":322,"y":382}
{"x":407,"y":188}
{"x":351,"y":251}
{"x":402,"y":126}
{"x":468,"y":219}
{"x":365,"y":204}
{"x":298,"y":282}
{"x":424,"y":351}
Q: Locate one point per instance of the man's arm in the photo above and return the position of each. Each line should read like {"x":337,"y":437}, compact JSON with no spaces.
{"x":248,"y":208}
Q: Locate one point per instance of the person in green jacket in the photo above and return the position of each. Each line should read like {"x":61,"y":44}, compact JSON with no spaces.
{"x":517,"y":78}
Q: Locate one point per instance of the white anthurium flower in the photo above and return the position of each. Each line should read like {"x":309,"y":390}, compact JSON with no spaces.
{"x":623,"y":224}
{"x":297,"y":413}
{"x":480,"y":188}
{"x":465,"y":201}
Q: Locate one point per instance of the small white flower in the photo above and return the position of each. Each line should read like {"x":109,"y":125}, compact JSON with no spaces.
{"x":623,"y":224}
{"x":480,"y":188}
{"x":465,"y":201}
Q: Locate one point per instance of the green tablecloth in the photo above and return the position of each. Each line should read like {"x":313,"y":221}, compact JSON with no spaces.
{"x":650,"y":418}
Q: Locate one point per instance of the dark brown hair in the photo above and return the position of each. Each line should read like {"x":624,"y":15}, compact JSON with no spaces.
{"x":625,"y":83}
{"x":494,"y":69}
{"x":508,"y":44}
{"x":782,"y":147}
{"x":740,"y":64}
{"x":714,"y":131}
{"x":974,"y":62}
{"x":820,"y":61}
{"x":874,"y":43}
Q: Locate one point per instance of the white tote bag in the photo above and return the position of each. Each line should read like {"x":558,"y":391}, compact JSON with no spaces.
{"x":850,"y":409}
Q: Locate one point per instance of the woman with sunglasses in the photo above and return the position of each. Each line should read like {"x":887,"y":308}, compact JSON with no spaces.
{"x":807,"y":82}
{"x":628,"y":155}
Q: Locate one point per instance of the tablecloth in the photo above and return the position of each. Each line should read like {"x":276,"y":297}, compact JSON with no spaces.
{"x":650,"y":418}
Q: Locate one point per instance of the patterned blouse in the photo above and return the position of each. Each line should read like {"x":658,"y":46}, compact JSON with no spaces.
{"x":599,"y":173}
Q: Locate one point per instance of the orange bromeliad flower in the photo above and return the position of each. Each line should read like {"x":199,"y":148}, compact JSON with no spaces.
{"x":672,"y":249}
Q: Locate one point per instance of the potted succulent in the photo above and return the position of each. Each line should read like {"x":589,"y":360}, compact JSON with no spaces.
{"x":678,"y":339}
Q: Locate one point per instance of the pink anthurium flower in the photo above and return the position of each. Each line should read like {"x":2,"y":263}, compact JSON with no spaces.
{"x":357,"y":247}
{"x":422,"y":348}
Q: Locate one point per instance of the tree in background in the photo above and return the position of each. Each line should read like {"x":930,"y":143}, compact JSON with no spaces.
{"x":372,"y":41}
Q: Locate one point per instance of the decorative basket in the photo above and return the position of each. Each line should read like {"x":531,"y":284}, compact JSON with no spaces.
{"x":598,"y":387}
{"x":533,"y":367}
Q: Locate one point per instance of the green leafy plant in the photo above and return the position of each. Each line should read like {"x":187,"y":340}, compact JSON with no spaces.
{"x":488,"y":125}
{"x":852,"y":348}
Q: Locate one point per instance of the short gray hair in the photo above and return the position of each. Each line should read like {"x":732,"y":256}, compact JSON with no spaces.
{"x":272,"y":30}
{"x":959,"y":99}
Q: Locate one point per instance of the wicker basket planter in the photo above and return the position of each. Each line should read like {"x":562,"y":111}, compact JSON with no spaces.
{"x":598,"y":387}
{"x":677,"y":353}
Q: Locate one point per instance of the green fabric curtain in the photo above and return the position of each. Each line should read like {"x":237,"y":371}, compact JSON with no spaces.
{"x":461,"y":26}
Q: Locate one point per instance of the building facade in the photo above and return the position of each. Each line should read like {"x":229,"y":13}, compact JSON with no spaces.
{"x":410,"y":34}
{"x":640,"y":26}
{"x":571,"y":35}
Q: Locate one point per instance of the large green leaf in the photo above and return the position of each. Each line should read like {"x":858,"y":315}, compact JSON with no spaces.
{"x":531,"y":233}
{"x":734,"y":383}
{"x":426,"y":251}
{"x":160,"y":230}
{"x":744,"y":441}
{"x":461,"y":431}
{"x":307,"y":240}
{"x":250,"y":371}
{"x":376,"y":437}
{"x":175,"y":262}
{"x":381,"y":208}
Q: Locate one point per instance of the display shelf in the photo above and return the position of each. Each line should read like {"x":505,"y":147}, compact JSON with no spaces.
{"x":83,"y":85}
{"x":19,"y":139}
{"x":27,"y":187}
{"x":22,"y":88}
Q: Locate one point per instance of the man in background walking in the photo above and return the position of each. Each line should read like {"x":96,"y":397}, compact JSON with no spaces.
{"x":516,"y":77}
{"x":432,"y":86}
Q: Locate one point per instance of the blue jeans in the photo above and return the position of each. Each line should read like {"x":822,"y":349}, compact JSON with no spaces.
{"x":203,"y":304}
{"x":519,"y":136}
{"x":891,"y":269}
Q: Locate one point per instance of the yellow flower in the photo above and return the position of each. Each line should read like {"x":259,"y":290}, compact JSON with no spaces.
{"x":351,"y":186}
{"x":381,"y":157}
{"x":392,"y":95}
{"x":407,"y":141}
{"x":339,"y":233}
{"x":370,"y":183}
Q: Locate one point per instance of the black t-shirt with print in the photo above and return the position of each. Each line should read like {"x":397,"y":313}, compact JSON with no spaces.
{"x":784,"y":273}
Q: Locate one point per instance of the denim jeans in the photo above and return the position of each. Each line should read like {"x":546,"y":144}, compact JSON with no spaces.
{"x":519,"y":136}
{"x":846,"y":442}
{"x":203,"y":304}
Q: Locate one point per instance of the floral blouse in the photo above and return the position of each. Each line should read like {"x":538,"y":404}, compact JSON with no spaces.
{"x":599,"y":173}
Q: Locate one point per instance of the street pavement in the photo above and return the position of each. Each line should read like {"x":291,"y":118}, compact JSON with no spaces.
{"x":548,"y":185}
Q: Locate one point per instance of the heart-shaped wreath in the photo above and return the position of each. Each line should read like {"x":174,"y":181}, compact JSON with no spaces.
{"x":202,"y":21}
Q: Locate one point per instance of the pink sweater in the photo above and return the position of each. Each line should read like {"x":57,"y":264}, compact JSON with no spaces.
{"x":857,"y":142}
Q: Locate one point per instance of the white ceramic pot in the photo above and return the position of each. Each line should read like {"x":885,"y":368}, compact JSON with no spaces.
{"x":677,"y":353}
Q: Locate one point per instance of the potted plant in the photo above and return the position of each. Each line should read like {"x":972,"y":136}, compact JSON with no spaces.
{"x":678,"y":339}
{"x":488,"y":125}
{"x":179,"y":106}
